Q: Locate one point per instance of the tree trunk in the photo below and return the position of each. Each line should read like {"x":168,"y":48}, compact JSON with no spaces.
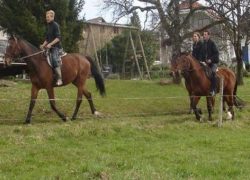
{"x":239,"y":73}
{"x":238,"y":53}
{"x":176,"y":51}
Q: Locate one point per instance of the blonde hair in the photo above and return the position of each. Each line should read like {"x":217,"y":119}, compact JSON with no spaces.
{"x":198,"y":34}
{"x":51,"y":12}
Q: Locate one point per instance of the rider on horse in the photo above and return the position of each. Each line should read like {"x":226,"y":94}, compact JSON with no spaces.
{"x":210,"y":55}
{"x":53,"y":43}
{"x":197,"y":46}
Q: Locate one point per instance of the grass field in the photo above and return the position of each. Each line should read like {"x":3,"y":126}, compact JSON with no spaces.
{"x":144,"y":133}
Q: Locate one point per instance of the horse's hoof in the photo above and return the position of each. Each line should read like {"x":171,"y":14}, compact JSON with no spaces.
{"x":64,"y":119}
{"x":201,"y":119}
{"x":27,"y":123}
{"x":198,"y":118}
{"x":229,"y":116}
{"x":191,"y":111}
{"x":97,"y":114}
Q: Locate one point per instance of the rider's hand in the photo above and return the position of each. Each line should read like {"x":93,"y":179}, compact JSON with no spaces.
{"x":209,"y":61}
{"x":48,"y":46}
{"x":203,"y":63}
{"x":41,"y":46}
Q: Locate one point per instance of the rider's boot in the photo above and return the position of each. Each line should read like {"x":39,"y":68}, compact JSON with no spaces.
{"x":59,"y":76}
{"x":213,"y":86}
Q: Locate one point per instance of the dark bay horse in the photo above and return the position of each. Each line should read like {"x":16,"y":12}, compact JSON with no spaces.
{"x":198,"y":84}
{"x":75,"y":69}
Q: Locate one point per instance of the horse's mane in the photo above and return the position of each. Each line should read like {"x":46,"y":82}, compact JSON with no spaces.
{"x":34,"y":48}
{"x":185,"y":53}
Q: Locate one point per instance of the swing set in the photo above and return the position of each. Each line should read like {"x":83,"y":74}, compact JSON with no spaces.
{"x":97,"y":37}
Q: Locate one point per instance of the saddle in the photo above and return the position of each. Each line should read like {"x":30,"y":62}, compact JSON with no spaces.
{"x":208,"y":73}
{"x":62,"y":53}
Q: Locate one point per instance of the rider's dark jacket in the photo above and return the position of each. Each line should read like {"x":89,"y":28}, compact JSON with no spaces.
{"x":53,"y":31}
{"x":197,"y":50}
{"x":209,"y":51}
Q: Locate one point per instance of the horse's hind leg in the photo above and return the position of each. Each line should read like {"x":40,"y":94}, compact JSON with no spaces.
{"x":197,"y":111}
{"x":210,"y":107}
{"x":34,"y":93}
{"x":230,"y":113}
{"x":78,"y":103}
{"x":52,"y":102}
{"x":88,"y":95}
{"x":190,"y":105}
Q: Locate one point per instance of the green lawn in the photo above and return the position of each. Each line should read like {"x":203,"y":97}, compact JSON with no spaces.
{"x":144,"y":133}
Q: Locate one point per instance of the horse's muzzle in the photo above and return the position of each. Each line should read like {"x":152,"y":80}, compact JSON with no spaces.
{"x":175,"y":74}
{"x":7,"y":61}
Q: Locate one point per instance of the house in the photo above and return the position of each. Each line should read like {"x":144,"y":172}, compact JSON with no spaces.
{"x":3,"y":44}
{"x":97,"y":32}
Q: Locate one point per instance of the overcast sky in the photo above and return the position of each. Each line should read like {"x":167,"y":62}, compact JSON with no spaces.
{"x":93,"y":9}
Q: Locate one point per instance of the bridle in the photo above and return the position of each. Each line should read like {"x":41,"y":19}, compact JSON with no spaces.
{"x":19,"y":50}
{"x":188,"y":69}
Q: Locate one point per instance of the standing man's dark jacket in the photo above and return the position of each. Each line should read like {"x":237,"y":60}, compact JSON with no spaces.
{"x":197,"y":50}
{"x":209,"y":51}
{"x":53,"y":31}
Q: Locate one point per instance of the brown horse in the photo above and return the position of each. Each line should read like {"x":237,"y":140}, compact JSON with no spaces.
{"x":198,"y":84}
{"x":188,"y":86}
{"x":75,"y":69}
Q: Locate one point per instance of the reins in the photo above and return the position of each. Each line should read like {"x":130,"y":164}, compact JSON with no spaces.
{"x":34,"y":54}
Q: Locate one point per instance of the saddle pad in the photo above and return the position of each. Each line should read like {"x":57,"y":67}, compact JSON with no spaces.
{"x":49,"y":60}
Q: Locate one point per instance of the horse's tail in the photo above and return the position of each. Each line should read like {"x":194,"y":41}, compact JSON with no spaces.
{"x":239,"y":103}
{"x":99,"y":81}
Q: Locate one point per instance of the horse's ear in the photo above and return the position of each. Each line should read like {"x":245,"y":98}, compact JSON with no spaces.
{"x":185,"y":53}
{"x":14,"y":37}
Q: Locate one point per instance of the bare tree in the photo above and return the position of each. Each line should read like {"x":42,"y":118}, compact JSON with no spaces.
{"x":233,"y":12}
{"x":165,"y":13}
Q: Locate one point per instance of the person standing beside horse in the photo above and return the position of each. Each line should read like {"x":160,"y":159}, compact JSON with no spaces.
{"x":210,"y":55}
{"x":53,"y":43}
{"x":197,"y":46}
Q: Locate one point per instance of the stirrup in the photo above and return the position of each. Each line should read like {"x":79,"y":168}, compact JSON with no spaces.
{"x":59,"y":82}
{"x":212,"y":93}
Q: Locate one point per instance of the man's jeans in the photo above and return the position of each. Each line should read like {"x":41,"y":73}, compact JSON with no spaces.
{"x":55,"y":58}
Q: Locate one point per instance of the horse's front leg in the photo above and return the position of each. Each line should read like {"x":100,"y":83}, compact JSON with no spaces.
{"x":78,"y":102}
{"x":210,"y":107}
{"x":34,"y":93}
{"x":230,"y":103}
{"x":51,"y":95}
{"x":190,"y":105}
{"x":197,"y":111}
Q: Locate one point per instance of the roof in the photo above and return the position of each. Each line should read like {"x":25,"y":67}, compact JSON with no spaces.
{"x":99,"y":21}
{"x":186,"y":5}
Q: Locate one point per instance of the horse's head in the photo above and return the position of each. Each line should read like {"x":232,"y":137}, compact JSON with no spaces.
{"x":13,"y":50}
{"x":180,"y":64}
